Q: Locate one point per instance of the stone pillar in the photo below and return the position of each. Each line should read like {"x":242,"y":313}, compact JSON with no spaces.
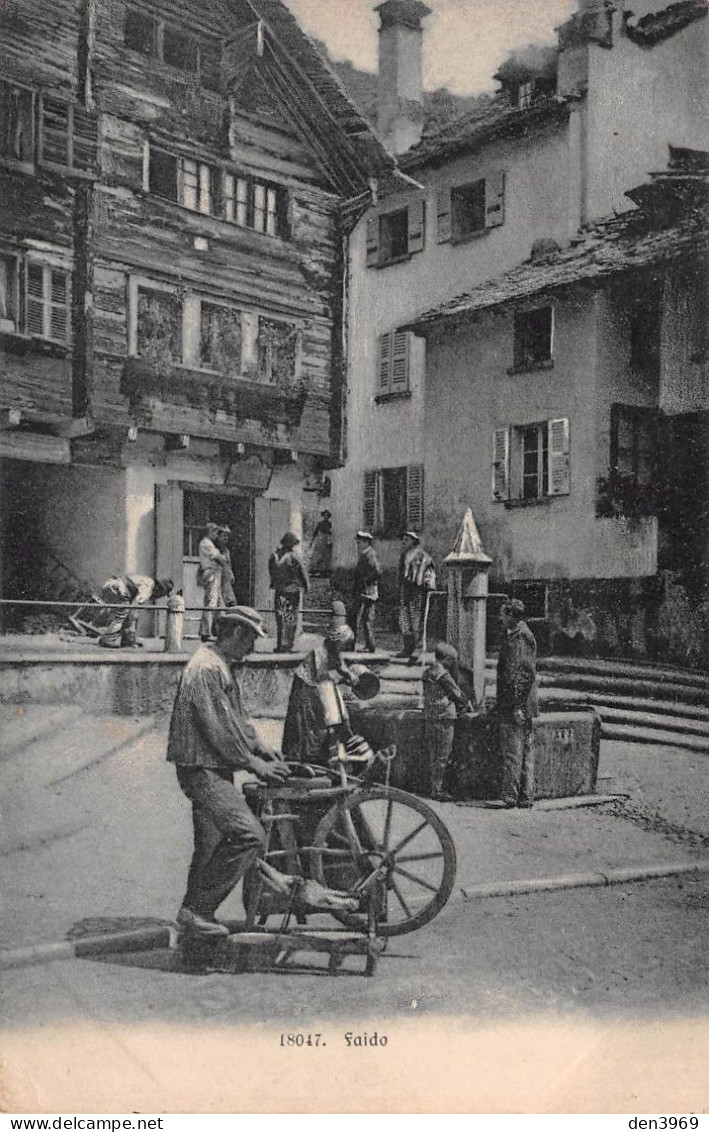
{"x":174,"y":624}
{"x":468,"y":567}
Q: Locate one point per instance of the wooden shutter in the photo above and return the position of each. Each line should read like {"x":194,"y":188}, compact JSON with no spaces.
{"x":400,"y":358}
{"x":444,"y":215}
{"x":55,"y":131}
{"x":34,"y":300}
{"x":370,"y":501}
{"x":559,"y":473}
{"x":385,"y":354}
{"x":495,"y":200}
{"x":501,"y":463}
{"x":414,"y":497}
{"x":59,"y":306}
{"x":417,"y":224}
{"x":85,"y":140}
{"x":373,"y":241}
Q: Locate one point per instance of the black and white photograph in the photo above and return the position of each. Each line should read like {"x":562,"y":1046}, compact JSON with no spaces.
{"x":354,"y":571}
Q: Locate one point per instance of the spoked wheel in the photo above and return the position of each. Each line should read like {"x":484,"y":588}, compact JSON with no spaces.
{"x":387,"y":829}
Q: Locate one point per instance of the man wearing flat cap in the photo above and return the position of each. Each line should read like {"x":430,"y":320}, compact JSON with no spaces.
{"x":210,"y":738}
{"x":289,"y":581}
{"x":365,"y":587}
{"x":517,"y":706}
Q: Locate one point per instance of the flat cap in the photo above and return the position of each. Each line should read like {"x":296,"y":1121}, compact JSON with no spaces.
{"x":364,"y":536}
{"x":241,"y":615}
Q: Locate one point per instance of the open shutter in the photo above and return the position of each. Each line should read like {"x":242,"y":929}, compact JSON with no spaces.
{"x":559,"y":477}
{"x":59,"y":306}
{"x":34,"y":300}
{"x":417,"y":224}
{"x":385,"y":354}
{"x":85,"y":140}
{"x":169,"y":532}
{"x":373,"y":241}
{"x":55,"y":124}
{"x":495,"y":200}
{"x":401,"y":354}
{"x":414,"y":497}
{"x":444,"y":215}
{"x":370,"y":501}
{"x":501,"y":463}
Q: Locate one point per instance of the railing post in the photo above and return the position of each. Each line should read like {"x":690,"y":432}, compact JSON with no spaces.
{"x":174,"y":623}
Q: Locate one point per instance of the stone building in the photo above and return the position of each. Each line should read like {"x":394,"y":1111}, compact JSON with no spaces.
{"x":519,"y":184}
{"x":178,"y":186}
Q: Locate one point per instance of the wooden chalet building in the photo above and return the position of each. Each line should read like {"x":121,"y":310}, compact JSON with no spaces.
{"x":178,"y":184}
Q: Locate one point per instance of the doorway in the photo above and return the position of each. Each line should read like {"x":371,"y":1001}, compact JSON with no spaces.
{"x":233,"y":511}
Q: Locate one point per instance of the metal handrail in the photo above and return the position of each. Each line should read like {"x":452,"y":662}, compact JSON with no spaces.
{"x":100,"y":605}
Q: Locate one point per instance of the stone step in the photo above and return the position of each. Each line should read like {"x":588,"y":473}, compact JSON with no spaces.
{"x":654,"y":737}
{"x":65,"y":751}
{"x":657,"y":722}
{"x":625,"y":669}
{"x":647,"y":689}
{"x":22,"y":724}
{"x":632,"y":703}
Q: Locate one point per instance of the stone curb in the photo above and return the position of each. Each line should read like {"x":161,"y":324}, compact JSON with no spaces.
{"x":144,"y":939}
{"x":583,"y":880}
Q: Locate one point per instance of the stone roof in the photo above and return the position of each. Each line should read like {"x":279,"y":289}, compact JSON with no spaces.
{"x":471,"y":131}
{"x":611,"y":247}
{"x":658,"y":26}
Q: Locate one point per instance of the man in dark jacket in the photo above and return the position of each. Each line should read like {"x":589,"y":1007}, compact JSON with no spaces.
{"x":365,"y":594}
{"x":517,"y":706}
{"x":417,"y":575}
{"x":209,"y":739}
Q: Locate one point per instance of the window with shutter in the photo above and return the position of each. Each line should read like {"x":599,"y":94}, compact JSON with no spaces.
{"x":468,"y":211}
{"x":9,"y":304}
{"x":16,"y":122}
{"x":47,"y":296}
{"x":501,"y":464}
{"x":400,"y":361}
{"x":393,"y":236}
{"x":559,"y":469}
{"x":85,"y":140}
{"x":373,"y":241}
{"x":58,"y":306}
{"x":414,"y":497}
{"x":55,"y":131}
{"x":162,"y":175}
{"x":416,"y":226}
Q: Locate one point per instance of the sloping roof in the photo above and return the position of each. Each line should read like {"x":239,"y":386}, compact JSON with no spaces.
{"x":657,"y":26}
{"x":470,"y":131}
{"x":320,"y":104}
{"x":608,"y":248}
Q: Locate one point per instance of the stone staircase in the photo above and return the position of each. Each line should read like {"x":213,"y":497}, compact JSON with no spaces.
{"x":636,"y":703}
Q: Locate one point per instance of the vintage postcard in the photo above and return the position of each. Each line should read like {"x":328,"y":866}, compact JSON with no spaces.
{"x":354,"y":607}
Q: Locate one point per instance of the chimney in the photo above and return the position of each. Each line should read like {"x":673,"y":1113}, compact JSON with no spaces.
{"x":400,"y":119}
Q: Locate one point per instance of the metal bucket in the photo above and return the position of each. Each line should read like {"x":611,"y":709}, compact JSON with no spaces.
{"x":334,"y":710}
{"x":367,"y":683}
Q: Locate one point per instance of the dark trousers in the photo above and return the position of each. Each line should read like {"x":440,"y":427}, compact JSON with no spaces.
{"x":227,"y":837}
{"x":517,"y":758}
{"x":362,"y":612}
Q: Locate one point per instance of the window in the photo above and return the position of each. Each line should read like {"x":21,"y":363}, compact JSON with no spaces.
{"x":220,"y":338}
{"x":396,"y":235}
{"x":67,"y":135}
{"x":190,"y":183}
{"x":468,"y":209}
{"x":140,"y":33}
{"x":159,"y":326}
{"x":533,"y":343}
{"x":16,"y":122}
{"x":47,"y":299}
{"x":394,"y":363}
{"x":393,"y":500}
{"x":531,"y":462}
{"x":179,"y":50}
{"x":474,"y":207}
{"x":278,"y":346}
{"x":9,"y":295}
{"x":254,"y":204}
{"x":634,"y":442}
{"x":175,"y":47}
